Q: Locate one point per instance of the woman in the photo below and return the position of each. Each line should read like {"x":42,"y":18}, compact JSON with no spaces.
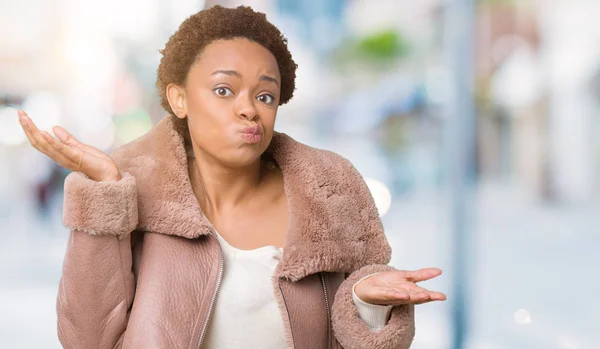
{"x":213,"y":230}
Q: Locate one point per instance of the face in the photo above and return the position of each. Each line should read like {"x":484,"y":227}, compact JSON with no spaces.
{"x":230,"y":99}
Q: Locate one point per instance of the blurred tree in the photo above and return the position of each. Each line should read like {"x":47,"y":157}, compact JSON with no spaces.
{"x":375,"y":50}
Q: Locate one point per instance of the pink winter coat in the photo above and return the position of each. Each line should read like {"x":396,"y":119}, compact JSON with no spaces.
{"x":143,"y":266}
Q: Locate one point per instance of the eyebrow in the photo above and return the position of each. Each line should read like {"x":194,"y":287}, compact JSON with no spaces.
{"x":238,"y":75}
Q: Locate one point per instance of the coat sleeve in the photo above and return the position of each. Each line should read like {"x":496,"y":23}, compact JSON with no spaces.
{"x":97,"y":284}
{"x":353,"y":333}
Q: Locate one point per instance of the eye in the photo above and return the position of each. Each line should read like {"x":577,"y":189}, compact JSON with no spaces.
{"x":266,"y":98}
{"x":223,"y":91}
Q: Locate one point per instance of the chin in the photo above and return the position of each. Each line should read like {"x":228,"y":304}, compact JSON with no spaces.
{"x":243,"y":158}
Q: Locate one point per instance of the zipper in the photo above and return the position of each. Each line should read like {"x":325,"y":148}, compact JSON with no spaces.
{"x":214,"y":297}
{"x":328,"y":312}
{"x":287,"y":311}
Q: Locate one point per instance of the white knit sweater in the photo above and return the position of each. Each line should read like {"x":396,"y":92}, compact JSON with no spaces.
{"x":246,"y":313}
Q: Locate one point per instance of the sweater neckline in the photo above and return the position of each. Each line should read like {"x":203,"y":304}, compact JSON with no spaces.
{"x":258,"y":250}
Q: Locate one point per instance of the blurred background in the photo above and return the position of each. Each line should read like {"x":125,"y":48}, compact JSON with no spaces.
{"x":473,"y":123}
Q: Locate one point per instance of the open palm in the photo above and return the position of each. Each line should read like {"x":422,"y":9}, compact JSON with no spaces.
{"x":70,"y":153}
{"x":398,"y":287}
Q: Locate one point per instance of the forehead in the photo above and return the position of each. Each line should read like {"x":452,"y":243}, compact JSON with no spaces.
{"x":242,"y":55}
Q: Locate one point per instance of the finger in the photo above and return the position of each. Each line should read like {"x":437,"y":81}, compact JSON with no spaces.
{"x":421,"y":274}
{"x":400,"y":296}
{"x":428,"y":301}
{"x":421,"y":297}
{"x":436,"y":296}
{"x":74,"y":155}
{"x":56,"y":155}
{"x":418,"y":297}
{"x":33,"y":134}
{"x":66,"y":137}
{"x":422,"y":302}
{"x":390,"y":297}
{"x":403,"y":297}
{"x":25,"y":124}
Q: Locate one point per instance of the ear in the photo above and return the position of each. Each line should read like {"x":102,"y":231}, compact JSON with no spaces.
{"x":177,"y":100}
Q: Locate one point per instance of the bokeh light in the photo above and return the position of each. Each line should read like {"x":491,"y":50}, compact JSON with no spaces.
{"x":11,"y":133}
{"x":381,"y":194}
{"x":44,"y":109}
{"x":522,"y":317}
{"x":132,"y":125}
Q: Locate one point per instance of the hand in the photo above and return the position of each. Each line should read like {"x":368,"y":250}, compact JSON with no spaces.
{"x":398,"y":287}
{"x":69,"y":152}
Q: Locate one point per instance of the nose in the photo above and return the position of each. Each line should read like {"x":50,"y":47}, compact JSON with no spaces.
{"x":249,"y":116}
{"x":247,"y":110}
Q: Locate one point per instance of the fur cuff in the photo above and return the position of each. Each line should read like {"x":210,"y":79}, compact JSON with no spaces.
{"x":100,"y":208}
{"x":353,"y":333}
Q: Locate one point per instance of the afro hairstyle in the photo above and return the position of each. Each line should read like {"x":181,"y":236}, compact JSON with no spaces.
{"x":220,"y":23}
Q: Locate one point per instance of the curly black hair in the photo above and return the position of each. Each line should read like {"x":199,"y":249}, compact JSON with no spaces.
{"x":216,"y":23}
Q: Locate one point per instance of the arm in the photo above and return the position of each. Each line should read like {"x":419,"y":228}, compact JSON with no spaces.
{"x":353,"y":333}
{"x":97,"y":284}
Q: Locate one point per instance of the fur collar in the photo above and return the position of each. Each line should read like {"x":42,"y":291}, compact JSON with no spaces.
{"x":334,"y":225}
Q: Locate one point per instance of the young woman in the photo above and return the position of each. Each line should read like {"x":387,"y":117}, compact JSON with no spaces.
{"x":215,"y":231}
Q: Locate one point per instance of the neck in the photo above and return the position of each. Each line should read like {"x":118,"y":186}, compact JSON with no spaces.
{"x":221,"y":189}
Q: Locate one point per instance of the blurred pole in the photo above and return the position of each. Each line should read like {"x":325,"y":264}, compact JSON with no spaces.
{"x":460,"y":151}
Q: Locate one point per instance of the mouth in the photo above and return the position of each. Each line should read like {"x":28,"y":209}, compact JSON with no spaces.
{"x":255,"y":130}
{"x":252,"y":134}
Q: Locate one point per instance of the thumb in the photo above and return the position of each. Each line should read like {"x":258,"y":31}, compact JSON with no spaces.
{"x":67,"y":138}
{"x":64,"y":136}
